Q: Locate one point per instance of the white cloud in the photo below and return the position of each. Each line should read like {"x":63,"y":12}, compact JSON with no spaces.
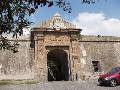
{"x":97,"y":24}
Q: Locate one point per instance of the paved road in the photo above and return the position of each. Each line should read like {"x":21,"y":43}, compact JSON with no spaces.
{"x":61,"y":85}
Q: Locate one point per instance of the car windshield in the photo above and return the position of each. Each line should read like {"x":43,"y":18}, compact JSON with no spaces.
{"x":114,"y":70}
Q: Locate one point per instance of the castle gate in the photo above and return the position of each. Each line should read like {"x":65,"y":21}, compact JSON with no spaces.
{"x":56,"y":50}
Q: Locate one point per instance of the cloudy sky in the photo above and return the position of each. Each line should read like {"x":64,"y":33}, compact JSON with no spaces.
{"x":101,"y":18}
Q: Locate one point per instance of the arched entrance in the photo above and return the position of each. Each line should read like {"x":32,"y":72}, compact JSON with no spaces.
{"x":57,"y":62}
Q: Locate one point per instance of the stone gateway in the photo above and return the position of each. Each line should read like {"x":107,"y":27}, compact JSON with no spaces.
{"x":56,"y":51}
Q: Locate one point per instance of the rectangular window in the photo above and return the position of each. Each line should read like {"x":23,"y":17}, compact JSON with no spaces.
{"x":96,"y":66}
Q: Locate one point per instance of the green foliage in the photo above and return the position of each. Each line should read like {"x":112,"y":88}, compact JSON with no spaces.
{"x":13,"y":13}
{"x":13,"y":16}
{"x":88,"y":1}
{"x":5,"y":44}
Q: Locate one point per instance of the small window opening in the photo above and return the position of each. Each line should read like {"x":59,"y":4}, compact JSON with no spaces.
{"x":96,"y":66}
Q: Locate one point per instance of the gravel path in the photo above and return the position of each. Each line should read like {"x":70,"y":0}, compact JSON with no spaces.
{"x":61,"y":85}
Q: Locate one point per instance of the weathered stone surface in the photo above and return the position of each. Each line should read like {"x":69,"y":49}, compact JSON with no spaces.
{"x":31,"y":62}
{"x":105,"y":51}
{"x":17,"y":65}
{"x":56,"y":22}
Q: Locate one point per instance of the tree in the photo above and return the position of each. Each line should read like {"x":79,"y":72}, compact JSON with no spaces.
{"x":13,"y":15}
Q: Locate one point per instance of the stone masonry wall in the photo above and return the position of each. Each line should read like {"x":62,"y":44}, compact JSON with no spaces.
{"x":96,"y":49}
{"x":20,"y":65}
{"x":17,"y":65}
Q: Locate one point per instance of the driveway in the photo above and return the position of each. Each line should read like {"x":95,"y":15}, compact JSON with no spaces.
{"x":60,"y":85}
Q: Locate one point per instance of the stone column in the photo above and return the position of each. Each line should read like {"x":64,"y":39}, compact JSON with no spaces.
{"x":75,"y":54}
{"x":41,"y":61}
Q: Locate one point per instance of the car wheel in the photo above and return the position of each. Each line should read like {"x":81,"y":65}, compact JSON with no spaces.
{"x":100,"y":82}
{"x":113,"y":83}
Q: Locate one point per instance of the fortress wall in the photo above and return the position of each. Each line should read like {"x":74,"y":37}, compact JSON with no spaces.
{"x":17,"y":65}
{"x":106,"y":50}
{"x":20,"y":65}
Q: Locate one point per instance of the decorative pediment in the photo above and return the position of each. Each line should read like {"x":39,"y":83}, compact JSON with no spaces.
{"x":56,"y":22}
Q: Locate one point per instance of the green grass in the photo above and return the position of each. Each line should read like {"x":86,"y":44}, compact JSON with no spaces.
{"x":13,"y":82}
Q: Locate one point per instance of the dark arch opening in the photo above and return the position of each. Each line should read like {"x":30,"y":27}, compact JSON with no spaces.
{"x":57,"y":65}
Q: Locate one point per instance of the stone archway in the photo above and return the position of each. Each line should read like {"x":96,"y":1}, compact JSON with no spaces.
{"x":57,"y":62}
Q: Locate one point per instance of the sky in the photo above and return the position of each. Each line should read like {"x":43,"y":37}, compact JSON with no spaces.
{"x":101,"y":18}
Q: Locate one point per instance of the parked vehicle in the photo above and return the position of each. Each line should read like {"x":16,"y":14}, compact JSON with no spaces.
{"x":111,"y":78}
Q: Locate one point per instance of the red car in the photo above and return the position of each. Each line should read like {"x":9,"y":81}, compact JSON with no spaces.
{"x":111,"y":78}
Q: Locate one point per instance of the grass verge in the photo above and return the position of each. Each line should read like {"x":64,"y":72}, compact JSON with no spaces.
{"x":13,"y":82}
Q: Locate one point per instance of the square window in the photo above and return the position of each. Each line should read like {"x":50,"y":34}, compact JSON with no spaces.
{"x":96,"y":66}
